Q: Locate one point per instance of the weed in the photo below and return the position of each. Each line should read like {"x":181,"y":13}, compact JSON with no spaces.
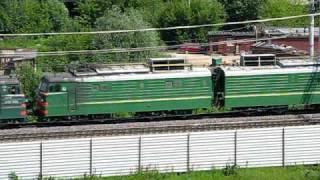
{"x":13,"y":176}
{"x":230,"y":170}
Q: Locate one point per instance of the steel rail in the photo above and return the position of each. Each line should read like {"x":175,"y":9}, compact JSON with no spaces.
{"x":163,"y":127}
{"x":242,"y":113}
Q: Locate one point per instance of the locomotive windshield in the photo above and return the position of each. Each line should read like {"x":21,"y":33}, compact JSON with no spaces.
{"x":43,"y":86}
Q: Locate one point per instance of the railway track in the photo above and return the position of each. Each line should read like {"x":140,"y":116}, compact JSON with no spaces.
{"x":242,"y":113}
{"x":138,"y":128}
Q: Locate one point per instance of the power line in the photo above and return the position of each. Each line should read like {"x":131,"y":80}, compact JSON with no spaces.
{"x":162,"y":29}
{"x":141,"y":49}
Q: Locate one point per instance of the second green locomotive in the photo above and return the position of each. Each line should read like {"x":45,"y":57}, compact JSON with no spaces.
{"x":290,"y":83}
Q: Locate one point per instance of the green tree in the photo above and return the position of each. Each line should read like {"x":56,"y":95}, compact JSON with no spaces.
{"x":179,"y":13}
{"x":22,"y":16}
{"x":64,"y":43}
{"x":89,"y":11}
{"x":282,"y":8}
{"x":29,"y":79}
{"x":150,"y":9}
{"x":239,"y":10}
{"x":115,"y":19}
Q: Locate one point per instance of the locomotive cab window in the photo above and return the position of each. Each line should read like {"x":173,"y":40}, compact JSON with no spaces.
{"x":13,"y":90}
{"x":55,"y":88}
{"x":44,"y":86}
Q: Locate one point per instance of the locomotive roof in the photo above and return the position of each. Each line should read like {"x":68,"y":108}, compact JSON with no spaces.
{"x":68,"y":77}
{"x":269,"y":70}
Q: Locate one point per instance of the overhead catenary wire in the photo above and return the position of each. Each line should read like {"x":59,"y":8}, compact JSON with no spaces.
{"x":161,"y":29}
{"x":141,"y":49}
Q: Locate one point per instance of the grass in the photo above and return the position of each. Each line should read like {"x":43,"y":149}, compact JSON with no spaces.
{"x":229,"y":173}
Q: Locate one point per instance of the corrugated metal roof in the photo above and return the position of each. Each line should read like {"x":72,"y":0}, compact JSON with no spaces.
{"x":18,"y":54}
{"x":230,"y":33}
{"x":302,"y":31}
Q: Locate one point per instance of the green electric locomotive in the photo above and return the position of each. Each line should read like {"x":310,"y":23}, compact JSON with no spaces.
{"x":169,"y":86}
{"x":12,"y":100}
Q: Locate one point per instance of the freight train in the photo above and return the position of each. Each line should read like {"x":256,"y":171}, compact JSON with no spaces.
{"x":168,"y":86}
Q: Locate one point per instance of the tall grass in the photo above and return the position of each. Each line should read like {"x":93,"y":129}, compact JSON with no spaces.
{"x":228,"y":173}
{"x":231,"y":173}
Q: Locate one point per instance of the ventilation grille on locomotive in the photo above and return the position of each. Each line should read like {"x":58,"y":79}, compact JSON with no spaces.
{"x":168,"y":64}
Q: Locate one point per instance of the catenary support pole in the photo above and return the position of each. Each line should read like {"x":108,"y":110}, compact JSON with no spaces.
{"x":283,"y":148}
{"x":235,"y":147}
{"x":139,"y":154}
{"x":41,"y":161}
{"x":311,"y":30}
{"x":318,"y":9}
{"x":90,"y":156}
{"x":188,"y":152}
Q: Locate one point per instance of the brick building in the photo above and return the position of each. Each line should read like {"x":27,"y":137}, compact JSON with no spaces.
{"x":296,"y":37}
{"x":220,"y":42}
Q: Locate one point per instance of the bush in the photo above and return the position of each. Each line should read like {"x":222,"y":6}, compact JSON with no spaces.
{"x":271,"y":9}
{"x":179,"y":13}
{"x":29,"y":79}
{"x":115,"y":19}
{"x":13,"y":176}
{"x":22,"y":16}
{"x":230,"y":170}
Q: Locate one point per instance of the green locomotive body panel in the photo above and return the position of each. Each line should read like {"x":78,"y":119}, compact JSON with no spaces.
{"x":13,"y":102}
{"x":73,"y":96}
{"x":270,"y":87}
{"x":267,"y":90}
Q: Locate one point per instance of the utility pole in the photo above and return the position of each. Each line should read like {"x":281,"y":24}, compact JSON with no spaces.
{"x":317,"y":10}
{"x":255,"y":27}
{"x":311,"y":30}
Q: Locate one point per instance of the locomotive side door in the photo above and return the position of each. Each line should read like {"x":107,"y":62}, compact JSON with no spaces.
{"x":72,"y":97}
{"x":219,"y":88}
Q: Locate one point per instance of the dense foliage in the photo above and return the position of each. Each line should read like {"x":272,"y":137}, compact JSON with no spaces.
{"x":180,"y":13}
{"x":130,"y":19}
{"x":239,"y":10}
{"x":272,"y":9}
{"x":30,"y":79}
{"x":28,"y":16}
{"x":24,"y":16}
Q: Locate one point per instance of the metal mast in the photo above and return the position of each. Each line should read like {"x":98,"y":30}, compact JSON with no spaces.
{"x":316,"y":10}
{"x":311,"y":30}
